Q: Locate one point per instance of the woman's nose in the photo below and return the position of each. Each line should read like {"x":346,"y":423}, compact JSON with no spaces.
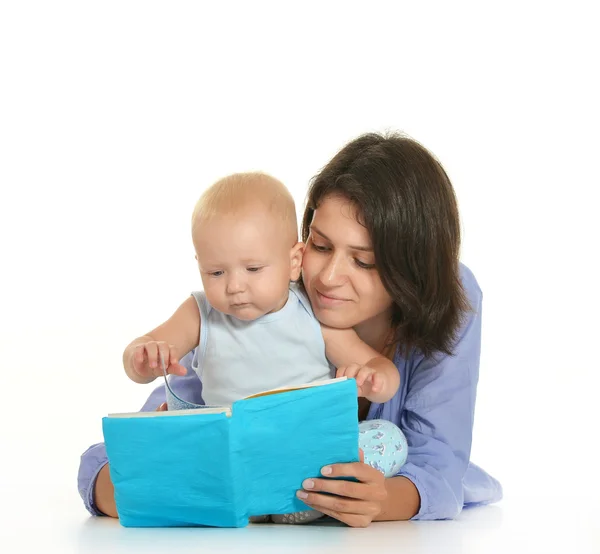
{"x":333,"y":272}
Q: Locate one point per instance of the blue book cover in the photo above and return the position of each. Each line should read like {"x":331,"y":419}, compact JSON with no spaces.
{"x":217,"y":466}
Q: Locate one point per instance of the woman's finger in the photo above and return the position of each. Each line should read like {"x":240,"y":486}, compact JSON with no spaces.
{"x":347,"y":489}
{"x":353,"y":520}
{"x":360,"y":471}
{"x":339,"y":504}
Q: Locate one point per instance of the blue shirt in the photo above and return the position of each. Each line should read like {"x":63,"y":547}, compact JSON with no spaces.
{"x":434,"y":407}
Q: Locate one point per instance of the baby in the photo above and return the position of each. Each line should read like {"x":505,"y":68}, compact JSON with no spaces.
{"x":253,"y":323}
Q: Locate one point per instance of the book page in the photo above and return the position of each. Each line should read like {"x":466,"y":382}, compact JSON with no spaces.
{"x":196,"y":411}
{"x":297,"y":387}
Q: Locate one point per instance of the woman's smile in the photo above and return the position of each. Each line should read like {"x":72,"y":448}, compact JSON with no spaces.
{"x":329,"y":300}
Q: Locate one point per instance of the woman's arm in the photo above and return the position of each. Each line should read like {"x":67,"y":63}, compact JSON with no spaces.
{"x":437,"y":419}
{"x":104,"y":493}
{"x":95,"y":486}
{"x":402,"y":500}
{"x":438,"y":415}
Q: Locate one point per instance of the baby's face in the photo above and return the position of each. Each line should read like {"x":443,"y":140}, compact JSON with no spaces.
{"x":244,"y":262}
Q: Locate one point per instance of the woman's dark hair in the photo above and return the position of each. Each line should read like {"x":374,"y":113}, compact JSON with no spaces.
{"x":407,"y":204}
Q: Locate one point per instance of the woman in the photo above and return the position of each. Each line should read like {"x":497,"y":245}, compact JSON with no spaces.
{"x":382,"y":236}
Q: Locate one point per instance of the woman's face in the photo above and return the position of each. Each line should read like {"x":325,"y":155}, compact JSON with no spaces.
{"x":338,"y":270}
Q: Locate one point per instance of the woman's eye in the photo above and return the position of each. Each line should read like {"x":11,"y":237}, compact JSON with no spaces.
{"x":254,"y":269}
{"x":318,"y":247}
{"x":363,"y":265}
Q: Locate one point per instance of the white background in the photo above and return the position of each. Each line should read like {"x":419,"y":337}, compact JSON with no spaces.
{"x":114,"y":116}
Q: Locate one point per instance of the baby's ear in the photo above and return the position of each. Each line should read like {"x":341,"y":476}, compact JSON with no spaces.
{"x":296,"y":254}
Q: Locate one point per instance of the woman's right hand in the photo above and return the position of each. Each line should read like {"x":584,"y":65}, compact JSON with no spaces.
{"x":146,"y":359}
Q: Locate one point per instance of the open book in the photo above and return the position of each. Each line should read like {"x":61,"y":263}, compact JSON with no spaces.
{"x":217,"y":466}
{"x":178,"y":407}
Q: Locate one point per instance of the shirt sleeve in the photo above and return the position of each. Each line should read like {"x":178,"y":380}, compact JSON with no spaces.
{"x":94,"y":458}
{"x":438,"y":417}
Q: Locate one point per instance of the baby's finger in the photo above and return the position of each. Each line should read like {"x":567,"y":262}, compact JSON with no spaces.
{"x":177,"y":369}
{"x":164,"y":357}
{"x":364,"y":375}
{"x":173,"y":360}
{"x":140,"y":362}
{"x":139,"y":355}
{"x":172,"y":355}
{"x":341,"y":372}
{"x":152,"y":351}
{"x":377,"y":382}
{"x":352,"y":370}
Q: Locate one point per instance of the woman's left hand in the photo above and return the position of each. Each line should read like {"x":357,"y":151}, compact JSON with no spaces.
{"x":356,"y":504}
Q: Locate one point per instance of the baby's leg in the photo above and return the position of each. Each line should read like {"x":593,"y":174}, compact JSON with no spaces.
{"x":296,"y":518}
{"x":385,"y":449}
{"x":259,"y":519}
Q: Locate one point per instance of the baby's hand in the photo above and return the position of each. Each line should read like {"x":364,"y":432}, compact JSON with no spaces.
{"x":147,"y":359}
{"x":368,"y":380}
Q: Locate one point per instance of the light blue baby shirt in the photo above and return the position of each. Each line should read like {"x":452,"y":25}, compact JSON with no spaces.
{"x":236,"y":358}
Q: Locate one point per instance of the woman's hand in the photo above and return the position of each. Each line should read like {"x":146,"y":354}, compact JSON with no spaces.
{"x":356,"y":504}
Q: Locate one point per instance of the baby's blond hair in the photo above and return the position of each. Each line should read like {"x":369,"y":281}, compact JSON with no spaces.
{"x":244,"y":191}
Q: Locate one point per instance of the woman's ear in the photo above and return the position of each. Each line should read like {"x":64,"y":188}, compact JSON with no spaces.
{"x":296,"y":254}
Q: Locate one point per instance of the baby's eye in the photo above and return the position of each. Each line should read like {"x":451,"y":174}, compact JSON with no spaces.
{"x":253,"y":269}
{"x":215,"y":273}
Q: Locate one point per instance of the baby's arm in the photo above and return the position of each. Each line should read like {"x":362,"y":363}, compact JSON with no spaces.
{"x":377,"y":377}
{"x":172,"y":340}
